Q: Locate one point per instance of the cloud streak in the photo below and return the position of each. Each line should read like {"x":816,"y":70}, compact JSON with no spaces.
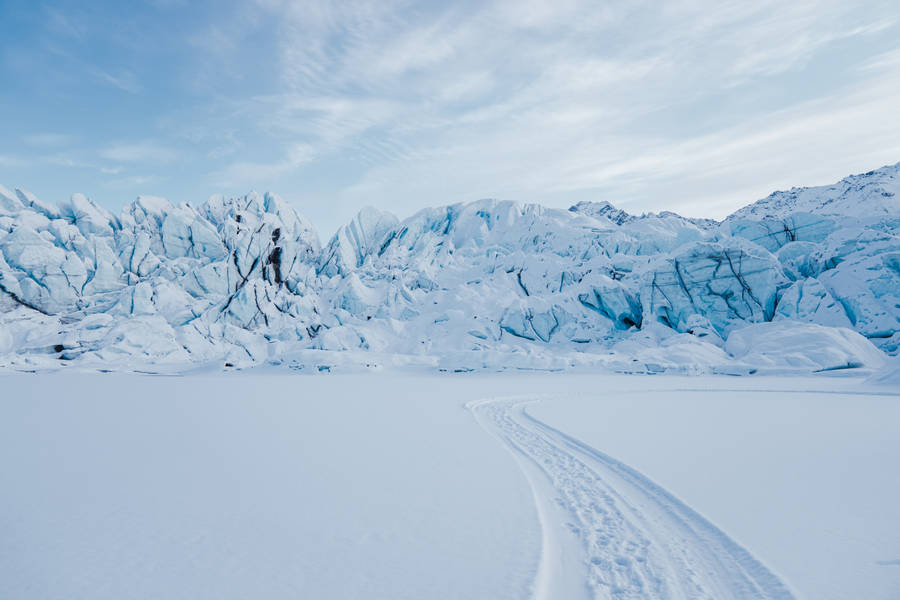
{"x":254,"y":173}
{"x":139,"y":152}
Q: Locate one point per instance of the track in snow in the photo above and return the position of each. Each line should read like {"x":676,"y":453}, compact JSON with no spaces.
{"x":632,"y":539}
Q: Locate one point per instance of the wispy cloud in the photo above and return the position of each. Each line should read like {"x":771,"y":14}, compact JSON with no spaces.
{"x":259,"y":173}
{"x":123,"y":79}
{"x":65,"y":160}
{"x":64,"y":24}
{"x":130,"y":182}
{"x":142,"y":151}
{"x":13,"y":162}
{"x":884,"y":60}
{"x":48,"y":140}
{"x":794,"y":33}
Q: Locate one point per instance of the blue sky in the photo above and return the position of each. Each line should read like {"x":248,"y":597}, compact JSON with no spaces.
{"x":697,"y":106}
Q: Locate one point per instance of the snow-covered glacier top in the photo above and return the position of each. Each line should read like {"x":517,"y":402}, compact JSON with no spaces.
{"x":873,"y":194}
{"x":807,"y":280}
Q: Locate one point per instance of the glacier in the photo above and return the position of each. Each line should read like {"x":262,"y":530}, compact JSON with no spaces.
{"x":803,"y":280}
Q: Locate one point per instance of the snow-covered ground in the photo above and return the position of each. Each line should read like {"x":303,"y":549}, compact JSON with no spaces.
{"x":801,"y":472}
{"x":269,"y":484}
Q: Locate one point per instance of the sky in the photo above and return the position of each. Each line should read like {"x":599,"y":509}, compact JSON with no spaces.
{"x":694,"y":106}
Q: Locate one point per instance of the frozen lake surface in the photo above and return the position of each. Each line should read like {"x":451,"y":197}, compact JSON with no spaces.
{"x":275,"y":485}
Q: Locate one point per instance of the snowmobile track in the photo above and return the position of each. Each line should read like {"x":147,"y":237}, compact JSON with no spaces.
{"x":632,"y":539}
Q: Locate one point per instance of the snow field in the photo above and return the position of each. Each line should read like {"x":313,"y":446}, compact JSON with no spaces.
{"x":395,"y":485}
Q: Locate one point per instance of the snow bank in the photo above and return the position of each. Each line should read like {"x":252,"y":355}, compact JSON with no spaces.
{"x":806,"y":346}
